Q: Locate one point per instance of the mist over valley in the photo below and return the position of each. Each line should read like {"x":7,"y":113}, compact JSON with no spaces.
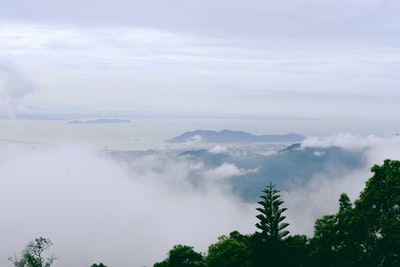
{"x":98,"y":199}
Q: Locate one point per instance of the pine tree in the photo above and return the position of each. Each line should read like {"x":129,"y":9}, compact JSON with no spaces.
{"x":268,"y":245}
{"x":271,"y":219}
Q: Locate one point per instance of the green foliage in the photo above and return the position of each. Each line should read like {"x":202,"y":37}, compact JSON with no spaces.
{"x":98,"y":265}
{"x":163,"y":263}
{"x":324,"y":240}
{"x":367,"y":234}
{"x":268,"y":244}
{"x":334,"y":241}
{"x":296,"y":250}
{"x":377,"y":216}
{"x":332,"y":233}
{"x":232,"y":251}
{"x":270,"y":218}
{"x":32,"y":255}
{"x":182,"y":256}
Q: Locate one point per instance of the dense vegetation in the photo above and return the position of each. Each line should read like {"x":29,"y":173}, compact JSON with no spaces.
{"x":364,"y":233}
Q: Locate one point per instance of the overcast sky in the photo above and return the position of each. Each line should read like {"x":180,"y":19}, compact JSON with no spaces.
{"x":311,"y":59}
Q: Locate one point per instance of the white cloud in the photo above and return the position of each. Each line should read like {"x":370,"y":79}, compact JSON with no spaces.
{"x":376,"y":148}
{"x":225,"y":170}
{"x":95,"y":209}
{"x":14,"y":86}
{"x":319,"y":153}
{"x":196,"y":139}
{"x":218,"y":149}
{"x":320,"y":195}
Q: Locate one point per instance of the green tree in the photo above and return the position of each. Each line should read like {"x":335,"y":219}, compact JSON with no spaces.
{"x":297,"y":250}
{"x":367,"y":234}
{"x":271,"y":215}
{"x":344,"y":247}
{"x":182,"y":256}
{"x":32,"y":255}
{"x":377,"y":216}
{"x":324,"y":241}
{"x":333,"y":241}
{"x":267,"y":245}
{"x":232,"y":251}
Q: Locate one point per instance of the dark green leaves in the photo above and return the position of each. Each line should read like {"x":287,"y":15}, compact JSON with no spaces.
{"x":271,"y":215}
{"x":182,"y":256}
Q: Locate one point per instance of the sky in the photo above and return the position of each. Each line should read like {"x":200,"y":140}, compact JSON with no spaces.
{"x":307,"y":60}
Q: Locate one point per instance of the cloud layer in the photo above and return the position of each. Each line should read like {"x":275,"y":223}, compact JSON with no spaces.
{"x":97,"y":206}
{"x":95,"y":209}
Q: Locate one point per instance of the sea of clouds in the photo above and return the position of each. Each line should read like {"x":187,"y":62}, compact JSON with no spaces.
{"x":97,"y":209}
{"x":129,"y":211}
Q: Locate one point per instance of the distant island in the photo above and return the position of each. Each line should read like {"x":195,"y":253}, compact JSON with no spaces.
{"x":228,"y":136}
{"x":100,"y":121}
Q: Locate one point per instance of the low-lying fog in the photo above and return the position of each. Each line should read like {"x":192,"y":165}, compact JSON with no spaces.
{"x":128,"y":208}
